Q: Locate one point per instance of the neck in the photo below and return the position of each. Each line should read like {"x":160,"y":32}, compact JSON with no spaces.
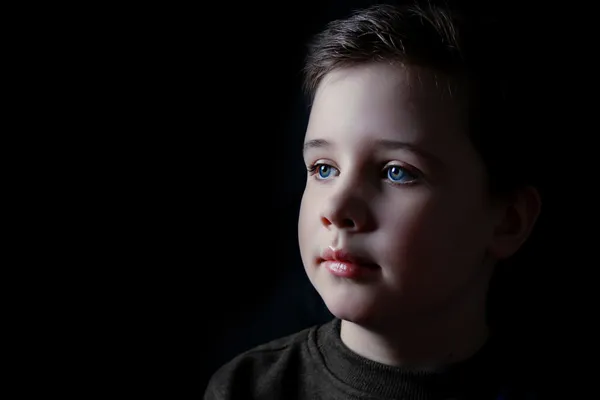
{"x":422,"y":341}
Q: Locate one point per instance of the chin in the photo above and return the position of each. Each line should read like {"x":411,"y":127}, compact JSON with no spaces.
{"x":350,"y":302}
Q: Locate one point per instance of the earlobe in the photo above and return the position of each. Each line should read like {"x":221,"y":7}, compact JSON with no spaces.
{"x":518,"y":217}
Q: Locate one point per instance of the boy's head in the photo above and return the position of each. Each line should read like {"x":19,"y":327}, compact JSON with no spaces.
{"x":412,"y":194}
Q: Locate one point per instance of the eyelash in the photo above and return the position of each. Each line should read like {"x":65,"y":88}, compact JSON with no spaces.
{"x":415,"y":174}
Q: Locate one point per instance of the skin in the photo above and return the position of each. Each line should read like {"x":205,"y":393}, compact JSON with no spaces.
{"x":394,"y":178}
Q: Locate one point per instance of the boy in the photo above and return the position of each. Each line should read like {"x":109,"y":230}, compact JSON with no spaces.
{"x":411,"y":200}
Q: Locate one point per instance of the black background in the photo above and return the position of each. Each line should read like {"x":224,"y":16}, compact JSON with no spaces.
{"x":199,"y":119}
{"x":237,"y":176}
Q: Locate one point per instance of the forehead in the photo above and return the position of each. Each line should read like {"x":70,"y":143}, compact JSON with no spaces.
{"x":383,"y":101}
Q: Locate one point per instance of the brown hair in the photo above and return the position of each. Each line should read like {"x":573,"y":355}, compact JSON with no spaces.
{"x":442,"y":40}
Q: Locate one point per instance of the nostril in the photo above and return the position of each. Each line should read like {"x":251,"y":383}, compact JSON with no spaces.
{"x":347,"y":223}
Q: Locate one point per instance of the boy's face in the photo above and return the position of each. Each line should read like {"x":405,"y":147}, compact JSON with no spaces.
{"x":397,"y":186}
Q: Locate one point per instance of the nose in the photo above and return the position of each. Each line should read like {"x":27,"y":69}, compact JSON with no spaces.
{"x":347,"y":209}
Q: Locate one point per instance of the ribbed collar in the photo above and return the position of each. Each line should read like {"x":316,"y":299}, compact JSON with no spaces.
{"x":467,"y":379}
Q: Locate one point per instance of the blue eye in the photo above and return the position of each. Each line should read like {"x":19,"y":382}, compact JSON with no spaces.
{"x":397,"y":174}
{"x":324,"y":171}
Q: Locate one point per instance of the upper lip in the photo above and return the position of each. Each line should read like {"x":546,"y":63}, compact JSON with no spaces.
{"x":342,"y":255}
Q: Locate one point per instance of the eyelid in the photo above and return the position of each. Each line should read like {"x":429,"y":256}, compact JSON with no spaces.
{"x":323,"y":161}
{"x":413,"y":170}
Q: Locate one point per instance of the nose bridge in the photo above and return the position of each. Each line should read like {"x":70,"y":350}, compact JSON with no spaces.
{"x":347,"y":190}
{"x":346,"y":205}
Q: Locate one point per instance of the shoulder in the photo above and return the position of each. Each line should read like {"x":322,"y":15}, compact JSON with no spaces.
{"x":259,"y":368}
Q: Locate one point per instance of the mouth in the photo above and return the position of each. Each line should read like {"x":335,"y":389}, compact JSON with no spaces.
{"x":345,"y":264}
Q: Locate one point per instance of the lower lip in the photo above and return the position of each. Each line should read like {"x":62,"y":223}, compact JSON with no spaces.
{"x":348,"y":270}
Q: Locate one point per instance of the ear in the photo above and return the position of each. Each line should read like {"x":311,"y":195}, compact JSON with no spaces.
{"x":517,"y":215}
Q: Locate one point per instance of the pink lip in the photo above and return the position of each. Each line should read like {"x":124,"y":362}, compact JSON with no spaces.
{"x":331,"y":254}
{"x":345,"y":264}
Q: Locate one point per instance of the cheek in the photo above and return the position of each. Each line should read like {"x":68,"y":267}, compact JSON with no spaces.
{"x":424,"y":231}
{"x":306,"y":219}
{"x":424,"y":253}
{"x":402,"y":234}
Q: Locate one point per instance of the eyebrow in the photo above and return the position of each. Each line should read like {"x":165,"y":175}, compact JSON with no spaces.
{"x":383,"y":143}
{"x":315,"y":144}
